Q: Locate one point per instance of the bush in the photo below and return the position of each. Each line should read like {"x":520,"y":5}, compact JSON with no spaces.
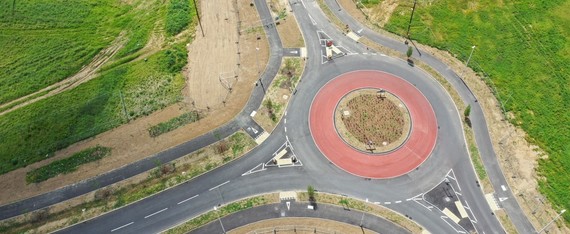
{"x":174,"y":59}
{"x":67,"y":165}
{"x":174,"y":123}
{"x":177,"y":16}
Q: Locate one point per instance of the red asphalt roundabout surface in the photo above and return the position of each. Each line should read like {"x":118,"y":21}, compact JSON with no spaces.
{"x":409,"y":156}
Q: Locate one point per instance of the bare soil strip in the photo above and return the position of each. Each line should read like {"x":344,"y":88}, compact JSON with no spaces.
{"x":131,"y":142}
{"x":517,"y":157}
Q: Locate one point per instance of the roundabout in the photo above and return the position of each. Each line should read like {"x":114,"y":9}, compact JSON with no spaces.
{"x":405,"y":146}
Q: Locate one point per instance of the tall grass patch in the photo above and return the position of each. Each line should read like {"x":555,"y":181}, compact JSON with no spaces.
{"x":178,"y":16}
{"x":46,"y":41}
{"x":523,"y":50}
{"x":31,"y":134}
{"x":67,"y":165}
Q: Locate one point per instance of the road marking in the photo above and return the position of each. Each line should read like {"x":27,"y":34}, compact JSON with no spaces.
{"x":359,"y":31}
{"x":285,"y":120}
{"x":504,"y":187}
{"x":398,"y":202}
{"x":187,"y":199}
{"x":502,"y":199}
{"x":285,"y":128}
{"x":122,"y":226}
{"x":312,"y":20}
{"x":303,"y":3}
{"x":150,"y":215}
{"x":253,"y":113}
{"x":387,"y":203}
{"x":217,"y":186}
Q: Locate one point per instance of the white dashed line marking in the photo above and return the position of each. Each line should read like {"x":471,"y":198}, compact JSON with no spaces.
{"x":398,"y":202}
{"x":285,"y":129}
{"x":150,"y":215}
{"x":122,"y":226}
{"x":187,"y":199}
{"x":387,"y":203}
{"x":217,"y":186}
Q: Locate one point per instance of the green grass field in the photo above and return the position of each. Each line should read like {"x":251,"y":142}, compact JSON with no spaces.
{"x":124,"y":90}
{"x":45,"y":41}
{"x":522,"y":46}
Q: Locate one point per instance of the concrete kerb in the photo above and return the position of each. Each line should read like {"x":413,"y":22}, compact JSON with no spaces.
{"x":372,"y":204}
{"x":227,"y":203}
{"x":171,"y":187}
{"x":298,"y":191}
{"x":404,"y":80}
{"x":455,"y":105}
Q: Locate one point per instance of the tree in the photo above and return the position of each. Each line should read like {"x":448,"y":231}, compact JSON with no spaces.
{"x":311,"y":192}
{"x":466,"y":114}
{"x":410,"y":51}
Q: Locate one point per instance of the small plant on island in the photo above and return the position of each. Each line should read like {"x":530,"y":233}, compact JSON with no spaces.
{"x":466,"y":114}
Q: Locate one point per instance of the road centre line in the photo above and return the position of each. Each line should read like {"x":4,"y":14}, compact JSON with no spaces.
{"x":187,"y":199}
{"x":122,"y":226}
{"x":217,"y":186}
{"x":150,"y":215}
{"x":398,"y":202}
{"x":387,"y":203}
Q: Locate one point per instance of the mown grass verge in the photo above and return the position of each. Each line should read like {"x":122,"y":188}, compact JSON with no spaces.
{"x":164,"y":176}
{"x":67,"y":165}
{"x":174,"y":123}
{"x":350,"y":203}
{"x":223,"y":211}
{"x":521,"y":49}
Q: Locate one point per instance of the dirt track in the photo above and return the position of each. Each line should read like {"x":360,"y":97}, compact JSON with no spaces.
{"x":86,"y":73}
{"x":131,"y":142}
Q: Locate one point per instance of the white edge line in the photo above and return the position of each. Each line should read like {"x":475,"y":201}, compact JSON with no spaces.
{"x":217,"y":186}
{"x":122,"y":226}
{"x":187,"y":199}
{"x":150,"y":215}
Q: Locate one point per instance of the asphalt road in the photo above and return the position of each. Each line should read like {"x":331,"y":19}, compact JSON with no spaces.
{"x":404,"y":194}
{"x":280,"y":210}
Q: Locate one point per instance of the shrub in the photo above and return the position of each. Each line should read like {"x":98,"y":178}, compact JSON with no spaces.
{"x":174,"y":59}
{"x":177,"y":16}
{"x":67,"y":165}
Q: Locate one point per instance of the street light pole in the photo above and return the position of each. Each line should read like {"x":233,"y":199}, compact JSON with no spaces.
{"x":411,"y":17}
{"x":471,"y":54}
{"x":552,"y":221}
{"x":198,"y":14}
{"x":219,"y":219}
{"x":468,"y":59}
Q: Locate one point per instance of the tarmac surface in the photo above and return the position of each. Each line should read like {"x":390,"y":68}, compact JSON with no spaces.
{"x":404,"y":159}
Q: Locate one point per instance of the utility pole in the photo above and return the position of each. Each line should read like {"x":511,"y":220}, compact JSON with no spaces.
{"x":471,"y":54}
{"x":198,"y":14}
{"x":219,"y":219}
{"x":411,"y":17}
{"x":257,"y":54}
{"x":555,"y":218}
{"x":468,"y":59}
